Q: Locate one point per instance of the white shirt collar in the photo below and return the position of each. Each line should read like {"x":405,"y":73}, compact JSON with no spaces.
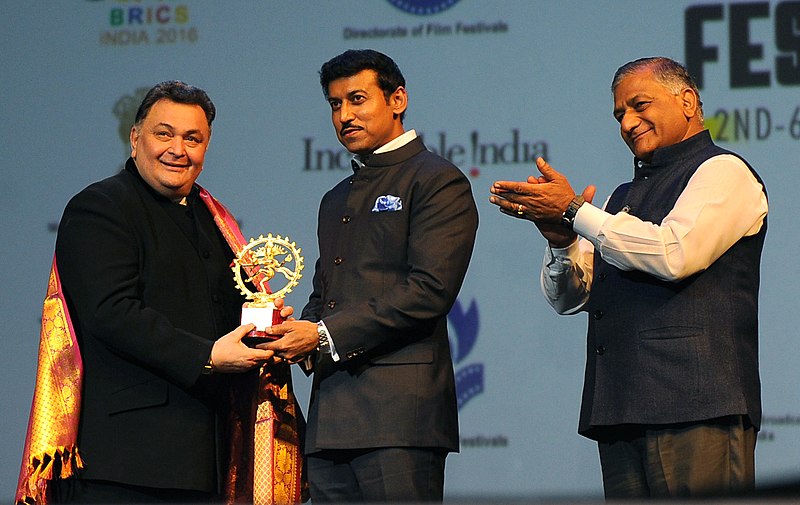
{"x":392,"y":145}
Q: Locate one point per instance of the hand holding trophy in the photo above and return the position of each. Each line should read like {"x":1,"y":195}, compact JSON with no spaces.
{"x":258,"y":263}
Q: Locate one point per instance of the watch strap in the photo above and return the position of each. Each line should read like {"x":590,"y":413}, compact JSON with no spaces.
{"x":324,"y":345}
{"x":568,"y":218}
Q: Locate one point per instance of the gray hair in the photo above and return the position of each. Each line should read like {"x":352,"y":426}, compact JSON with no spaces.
{"x":667,"y":72}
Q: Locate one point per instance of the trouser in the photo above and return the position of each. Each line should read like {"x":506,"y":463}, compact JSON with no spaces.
{"x":707,"y":458}
{"x":409,"y":474}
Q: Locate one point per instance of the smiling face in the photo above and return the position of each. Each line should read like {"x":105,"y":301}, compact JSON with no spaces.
{"x":364,"y":119}
{"x":651,"y":116}
{"x":169,"y":147}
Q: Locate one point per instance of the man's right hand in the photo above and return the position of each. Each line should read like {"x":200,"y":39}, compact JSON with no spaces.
{"x":230,"y":355}
{"x":557,"y":235}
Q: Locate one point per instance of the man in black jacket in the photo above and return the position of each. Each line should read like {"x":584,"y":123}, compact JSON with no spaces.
{"x":146,"y":276}
{"x":395,"y":240}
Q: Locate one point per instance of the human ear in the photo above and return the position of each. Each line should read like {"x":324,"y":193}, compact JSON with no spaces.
{"x":689,"y":102}
{"x":134,"y":140}
{"x":399,"y":100}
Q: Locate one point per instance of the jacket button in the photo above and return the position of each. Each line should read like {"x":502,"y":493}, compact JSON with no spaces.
{"x":600,"y":350}
{"x":346,"y":219}
{"x":598,"y":314}
{"x":355,"y":352}
{"x":337,"y":261}
{"x":332,"y":304}
{"x":601,"y":277}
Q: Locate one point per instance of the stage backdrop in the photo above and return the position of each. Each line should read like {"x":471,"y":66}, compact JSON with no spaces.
{"x":492,"y":85}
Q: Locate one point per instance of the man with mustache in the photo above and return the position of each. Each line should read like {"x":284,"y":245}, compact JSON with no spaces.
{"x":395,"y":240}
{"x":668,"y":272}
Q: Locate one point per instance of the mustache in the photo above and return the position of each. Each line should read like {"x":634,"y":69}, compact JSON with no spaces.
{"x":347,"y":126}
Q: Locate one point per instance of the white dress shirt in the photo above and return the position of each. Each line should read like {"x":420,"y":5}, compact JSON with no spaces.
{"x":722,"y":203}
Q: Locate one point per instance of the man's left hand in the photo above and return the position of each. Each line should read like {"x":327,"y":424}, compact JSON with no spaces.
{"x":541,"y":199}
{"x":286,"y":311}
{"x":298,"y":339}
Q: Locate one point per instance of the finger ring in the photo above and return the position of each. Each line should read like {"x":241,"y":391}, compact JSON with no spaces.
{"x":519,"y":209}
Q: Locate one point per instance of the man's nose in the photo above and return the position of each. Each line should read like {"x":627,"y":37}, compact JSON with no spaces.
{"x":629,"y":123}
{"x":177,"y":146}
{"x":346,"y":113}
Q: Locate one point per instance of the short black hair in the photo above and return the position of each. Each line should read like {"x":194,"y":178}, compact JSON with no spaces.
{"x":179,"y":92}
{"x":353,"y":61}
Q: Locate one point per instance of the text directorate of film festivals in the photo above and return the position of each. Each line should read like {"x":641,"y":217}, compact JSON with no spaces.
{"x":426,"y":30}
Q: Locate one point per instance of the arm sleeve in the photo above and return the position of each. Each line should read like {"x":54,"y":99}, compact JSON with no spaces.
{"x":721,"y":203}
{"x":566,"y":277}
{"x":99,"y":262}
{"x":443,"y":224}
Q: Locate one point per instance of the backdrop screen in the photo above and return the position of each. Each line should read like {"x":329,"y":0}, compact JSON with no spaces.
{"x":491,"y":85}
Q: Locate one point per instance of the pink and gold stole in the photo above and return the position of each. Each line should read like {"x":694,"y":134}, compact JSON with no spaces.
{"x":50,"y":445}
{"x":265,"y":465}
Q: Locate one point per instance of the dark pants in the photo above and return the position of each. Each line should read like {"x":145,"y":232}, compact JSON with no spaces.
{"x":708,"y":458}
{"x":99,"y":491}
{"x":377,"y":475}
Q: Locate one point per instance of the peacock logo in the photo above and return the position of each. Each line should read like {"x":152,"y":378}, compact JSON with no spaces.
{"x":464,"y":325}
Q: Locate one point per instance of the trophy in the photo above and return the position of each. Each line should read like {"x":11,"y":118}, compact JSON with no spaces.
{"x":258,"y":263}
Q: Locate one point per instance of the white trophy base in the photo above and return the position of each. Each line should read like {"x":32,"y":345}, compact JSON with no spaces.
{"x":263,"y":317}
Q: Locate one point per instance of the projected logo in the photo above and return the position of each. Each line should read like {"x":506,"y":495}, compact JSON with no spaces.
{"x":148,"y":22}
{"x":125,"y":111}
{"x":477,"y":151}
{"x":469,"y":377}
{"x":423,"y":7}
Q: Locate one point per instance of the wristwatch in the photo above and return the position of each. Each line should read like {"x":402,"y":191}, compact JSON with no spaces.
{"x":324,"y":345}
{"x":568,"y":217}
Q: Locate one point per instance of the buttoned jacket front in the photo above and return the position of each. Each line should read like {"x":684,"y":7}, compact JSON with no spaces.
{"x":663,"y":352}
{"x":388,"y":273}
{"x":148,"y":297}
